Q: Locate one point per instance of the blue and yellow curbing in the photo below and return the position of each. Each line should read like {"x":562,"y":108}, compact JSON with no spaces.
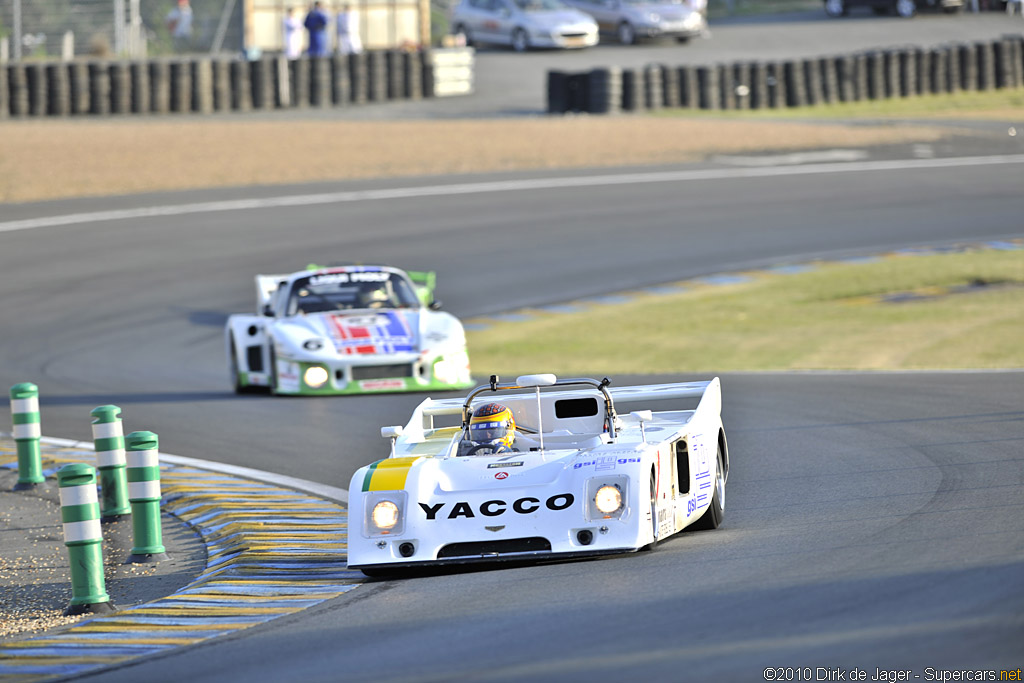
{"x":271,"y":552}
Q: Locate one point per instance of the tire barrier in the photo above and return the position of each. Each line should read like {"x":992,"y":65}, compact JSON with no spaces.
{"x":412,"y":74}
{"x":108,"y":440}
{"x":143,"y":475}
{"x":26,"y":432}
{"x":874,"y":75}
{"x":120,"y":89}
{"x":252,"y":85}
{"x":203,"y":85}
{"x":83,"y":537}
{"x":320,"y":82}
{"x":357,"y":78}
{"x":376,"y":77}
{"x":139,"y":74}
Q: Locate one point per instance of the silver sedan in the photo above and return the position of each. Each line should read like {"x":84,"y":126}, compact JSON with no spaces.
{"x":629,"y":20}
{"x":523,"y":24}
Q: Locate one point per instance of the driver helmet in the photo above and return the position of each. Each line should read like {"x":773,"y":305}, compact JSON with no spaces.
{"x":375,"y":298}
{"x":493,"y":423}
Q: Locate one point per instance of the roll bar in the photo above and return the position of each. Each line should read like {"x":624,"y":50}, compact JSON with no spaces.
{"x":537,"y":381}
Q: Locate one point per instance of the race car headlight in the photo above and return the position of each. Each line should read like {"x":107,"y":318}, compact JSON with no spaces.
{"x":608,"y":499}
{"x":384,"y":515}
{"x":653,"y":17}
{"x":315,"y":376}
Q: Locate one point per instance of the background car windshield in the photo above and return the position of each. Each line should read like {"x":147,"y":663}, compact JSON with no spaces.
{"x":344,"y":291}
{"x":540,"y":5}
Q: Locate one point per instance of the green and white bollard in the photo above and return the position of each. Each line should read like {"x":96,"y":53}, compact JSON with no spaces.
{"x":108,"y":437}
{"x":143,"y":475}
{"x":25,"y":416}
{"x":80,"y":513}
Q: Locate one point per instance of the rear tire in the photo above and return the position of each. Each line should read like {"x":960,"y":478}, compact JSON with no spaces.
{"x":712,"y":517}
{"x":835,"y":8}
{"x":520,"y":41}
{"x":626,"y":33}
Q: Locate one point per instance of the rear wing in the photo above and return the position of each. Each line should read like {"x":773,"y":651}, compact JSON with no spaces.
{"x":425,"y":281}
{"x":266,"y":285}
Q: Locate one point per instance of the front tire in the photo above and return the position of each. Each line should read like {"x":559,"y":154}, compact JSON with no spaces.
{"x":464,"y":32}
{"x":712,"y":517}
{"x":654,"y":514}
{"x":906,"y":8}
{"x":272,"y":382}
{"x":520,"y":41}
{"x":626,"y":33}
{"x":236,"y":375}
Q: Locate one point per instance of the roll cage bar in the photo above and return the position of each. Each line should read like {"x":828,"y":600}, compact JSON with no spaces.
{"x":536,"y":382}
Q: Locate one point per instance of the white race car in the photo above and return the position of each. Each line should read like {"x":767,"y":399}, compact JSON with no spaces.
{"x":346,"y":330}
{"x":526,"y":474}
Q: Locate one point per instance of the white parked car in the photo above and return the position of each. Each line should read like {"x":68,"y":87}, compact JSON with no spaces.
{"x":523,"y":24}
{"x":514,"y":472}
{"x":630,"y":20}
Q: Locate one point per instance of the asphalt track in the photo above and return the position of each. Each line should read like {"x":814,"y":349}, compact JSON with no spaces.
{"x":872,"y":520}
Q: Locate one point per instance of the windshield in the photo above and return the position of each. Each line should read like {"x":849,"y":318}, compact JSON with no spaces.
{"x":540,"y":5}
{"x":349,"y":290}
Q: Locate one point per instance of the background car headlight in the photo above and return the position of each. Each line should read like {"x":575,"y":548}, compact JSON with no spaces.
{"x":385,"y":515}
{"x":315,"y":376}
{"x":608,"y":499}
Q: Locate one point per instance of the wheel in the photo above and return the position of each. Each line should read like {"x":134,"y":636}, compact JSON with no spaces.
{"x":712,"y":517}
{"x":272,"y":383}
{"x":835,"y":8}
{"x":461,"y":30}
{"x":906,"y":8}
{"x":654,"y":514}
{"x":682,"y":40}
{"x":520,"y":41}
{"x":236,"y":376}
{"x":626,"y":34}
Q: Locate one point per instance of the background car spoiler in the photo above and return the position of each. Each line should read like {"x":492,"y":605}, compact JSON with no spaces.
{"x":266,"y":285}
{"x":425,"y":281}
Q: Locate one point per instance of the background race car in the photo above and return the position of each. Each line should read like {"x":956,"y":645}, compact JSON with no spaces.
{"x":344,"y":330}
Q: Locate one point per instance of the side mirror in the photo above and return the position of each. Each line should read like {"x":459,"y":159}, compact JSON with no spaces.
{"x":268,"y":310}
{"x":392,"y":432}
{"x":435,"y":305}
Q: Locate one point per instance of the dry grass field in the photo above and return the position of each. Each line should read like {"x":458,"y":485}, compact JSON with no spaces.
{"x":51,"y":159}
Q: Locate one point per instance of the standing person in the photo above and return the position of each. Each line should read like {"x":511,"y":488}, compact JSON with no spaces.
{"x":316,"y":24}
{"x":179,"y":23}
{"x":292,"y":35}
{"x":349,"y":42}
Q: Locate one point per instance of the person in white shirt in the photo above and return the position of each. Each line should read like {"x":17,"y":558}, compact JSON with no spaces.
{"x":292,"y":34}
{"x":349,"y":42}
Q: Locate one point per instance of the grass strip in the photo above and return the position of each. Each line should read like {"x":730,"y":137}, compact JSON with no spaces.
{"x":935,"y":311}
